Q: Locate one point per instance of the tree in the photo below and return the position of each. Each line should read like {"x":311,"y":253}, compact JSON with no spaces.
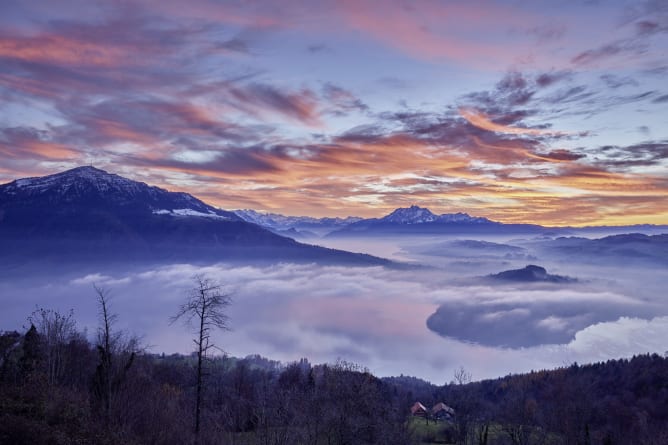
{"x":56,"y":331}
{"x":31,"y":352}
{"x":464,"y":406}
{"x":111,"y":346}
{"x":9,"y":357}
{"x":203,"y":310}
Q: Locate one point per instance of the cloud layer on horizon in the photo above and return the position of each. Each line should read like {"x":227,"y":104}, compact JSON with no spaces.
{"x":371,"y":316}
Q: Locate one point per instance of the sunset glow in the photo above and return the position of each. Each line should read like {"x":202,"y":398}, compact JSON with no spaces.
{"x":518,"y":112}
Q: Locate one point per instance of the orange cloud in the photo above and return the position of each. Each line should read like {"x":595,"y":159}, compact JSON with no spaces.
{"x":372,"y":178}
{"x":481,"y":120}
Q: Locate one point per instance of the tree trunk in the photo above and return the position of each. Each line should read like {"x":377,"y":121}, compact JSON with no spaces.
{"x":200,"y":352}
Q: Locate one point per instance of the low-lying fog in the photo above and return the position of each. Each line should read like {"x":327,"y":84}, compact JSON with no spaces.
{"x":378,"y":317}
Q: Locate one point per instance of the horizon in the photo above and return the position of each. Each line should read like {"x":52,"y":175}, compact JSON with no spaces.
{"x":596,"y":299}
{"x":269,"y":212}
{"x":510,"y":111}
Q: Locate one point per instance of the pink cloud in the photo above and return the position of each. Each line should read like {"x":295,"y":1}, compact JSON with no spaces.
{"x":434,"y":30}
{"x":60,"y":49}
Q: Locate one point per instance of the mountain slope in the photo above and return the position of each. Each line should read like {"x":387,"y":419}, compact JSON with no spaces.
{"x":617,"y":249}
{"x":87,"y":213}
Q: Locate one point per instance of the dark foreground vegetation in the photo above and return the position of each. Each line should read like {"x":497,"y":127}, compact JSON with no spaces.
{"x":57,"y":387}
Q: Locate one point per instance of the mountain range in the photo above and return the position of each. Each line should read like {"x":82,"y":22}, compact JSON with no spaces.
{"x":629,"y":248}
{"x":416,"y":220}
{"x":295,"y":226}
{"x":413,"y":220}
{"x":86,"y":214}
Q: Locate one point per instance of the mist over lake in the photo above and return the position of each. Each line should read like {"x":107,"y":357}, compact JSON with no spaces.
{"x":377,"y":317}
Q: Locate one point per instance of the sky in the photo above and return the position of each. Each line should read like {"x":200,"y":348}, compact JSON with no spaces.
{"x":520,"y":111}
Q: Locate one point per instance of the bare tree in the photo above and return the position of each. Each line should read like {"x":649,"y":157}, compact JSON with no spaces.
{"x":462,"y":376}
{"x":203,"y":310}
{"x":56,"y":330}
{"x":464,"y":406}
{"x":111,"y":346}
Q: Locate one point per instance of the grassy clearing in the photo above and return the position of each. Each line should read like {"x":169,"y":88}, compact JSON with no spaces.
{"x":429,"y":432}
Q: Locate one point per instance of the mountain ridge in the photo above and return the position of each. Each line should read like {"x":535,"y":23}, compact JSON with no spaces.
{"x":89,"y":213}
{"x":92,"y":183}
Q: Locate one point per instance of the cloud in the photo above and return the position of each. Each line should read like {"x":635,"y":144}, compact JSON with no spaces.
{"x":553,"y":316}
{"x":342,"y":100}
{"x":622,"y":158}
{"x":301,"y":106}
{"x":433,"y":31}
{"x":376,"y":317}
{"x":219,"y":101}
{"x":98,"y":279}
{"x":660,"y":99}
{"x":318,"y":48}
{"x":614,"y":81}
{"x":24,"y":143}
{"x":562,"y":155}
{"x":607,"y":51}
{"x":548,"y":32}
{"x":550,"y":78}
{"x":481,"y":120}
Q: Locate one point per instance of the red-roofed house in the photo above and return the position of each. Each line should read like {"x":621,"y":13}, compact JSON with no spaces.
{"x":418,"y":409}
{"x":441,"y":411}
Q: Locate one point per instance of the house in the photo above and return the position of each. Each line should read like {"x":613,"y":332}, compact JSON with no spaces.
{"x":441,"y":411}
{"x":419,"y":409}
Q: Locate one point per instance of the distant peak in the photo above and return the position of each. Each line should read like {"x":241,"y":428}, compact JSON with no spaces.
{"x":410,"y":215}
{"x":418,"y":215}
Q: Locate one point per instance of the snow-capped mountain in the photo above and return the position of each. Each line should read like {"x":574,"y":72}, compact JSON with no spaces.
{"x":410,"y":215}
{"x":417,"y":220}
{"x":304,"y":226}
{"x":308,"y":227}
{"x":87,"y":213}
{"x":420,"y":215}
{"x":97,"y":188}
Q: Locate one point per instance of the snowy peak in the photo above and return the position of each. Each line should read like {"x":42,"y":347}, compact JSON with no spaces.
{"x":76,"y":180}
{"x":462,"y":218}
{"x":86,"y":216}
{"x":275,"y":220}
{"x":420,"y":215}
{"x":410,"y":215}
{"x":295,"y":226}
{"x":94,"y":188}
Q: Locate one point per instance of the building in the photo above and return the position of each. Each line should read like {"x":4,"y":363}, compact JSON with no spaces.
{"x":419,"y":409}
{"x":441,"y":411}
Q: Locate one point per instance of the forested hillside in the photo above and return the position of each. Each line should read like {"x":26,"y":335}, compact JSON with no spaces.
{"x":58,"y":387}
